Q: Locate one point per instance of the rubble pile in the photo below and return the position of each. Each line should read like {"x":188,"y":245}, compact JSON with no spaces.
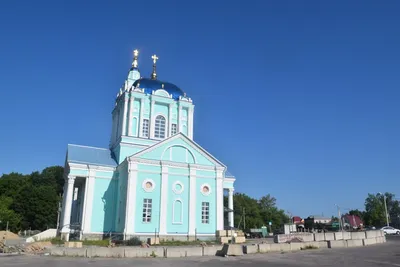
{"x":33,"y":248}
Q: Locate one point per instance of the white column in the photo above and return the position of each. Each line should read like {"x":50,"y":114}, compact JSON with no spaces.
{"x":69,"y":185}
{"x":230,"y":206}
{"x":88,"y":202}
{"x":130,"y":113}
{"x":140,"y":130}
{"x":190,"y":123}
{"x":131,"y":197}
{"x":220,"y":200}
{"x":151,"y":121}
{"x":169,"y":120}
{"x":192,"y":201}
{"x":124,"y":118}
{"x":163,"y":200}
{"x":179,"y":118}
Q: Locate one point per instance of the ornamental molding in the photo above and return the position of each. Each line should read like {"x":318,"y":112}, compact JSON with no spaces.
{"x":205,"y":189}
{"x":148,"y":185}
{"x":177,"y":191}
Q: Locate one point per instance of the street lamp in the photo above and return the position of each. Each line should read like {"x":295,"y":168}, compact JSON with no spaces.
{"x":386,"y":212}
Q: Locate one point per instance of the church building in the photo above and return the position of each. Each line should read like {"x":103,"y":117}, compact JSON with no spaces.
{"x":154,"y":178}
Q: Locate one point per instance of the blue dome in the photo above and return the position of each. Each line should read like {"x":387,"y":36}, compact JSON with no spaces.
{"x":150,"y":85}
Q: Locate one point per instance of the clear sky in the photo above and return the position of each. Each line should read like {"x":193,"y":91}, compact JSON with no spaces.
{"x":299,"y":98}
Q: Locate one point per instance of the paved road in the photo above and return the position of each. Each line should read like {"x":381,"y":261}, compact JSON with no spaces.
{"x":387,"y":254}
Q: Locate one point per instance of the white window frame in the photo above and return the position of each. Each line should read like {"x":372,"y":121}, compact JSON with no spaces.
{"x":147,"y":127}
{"x":173,"y":212}
{"x":178,"y":192}
{"x":205,"y":212}
{"x":160,"y":129}
{"x":147,"y":210}
{"x":174,"y":126}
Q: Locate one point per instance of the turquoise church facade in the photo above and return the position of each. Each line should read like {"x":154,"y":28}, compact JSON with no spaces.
{"x":153,"y":179}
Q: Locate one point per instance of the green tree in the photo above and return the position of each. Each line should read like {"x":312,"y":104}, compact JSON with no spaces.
{"x":375,"y":214}
{"x":8,"y":215}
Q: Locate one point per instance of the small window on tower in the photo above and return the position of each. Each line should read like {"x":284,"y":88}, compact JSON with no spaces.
{"x":159,"y":129}
{"x":174,"y":129}
{"x":145,"y":129}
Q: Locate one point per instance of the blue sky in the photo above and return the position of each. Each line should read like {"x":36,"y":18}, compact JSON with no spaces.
{"x":299,"y":98}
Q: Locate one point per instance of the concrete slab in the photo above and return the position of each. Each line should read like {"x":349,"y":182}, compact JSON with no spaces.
{"x":250,"y":249}
{"x":337,"y":244}
{"x":329,"y":236}
{"x":357,"y":235}
{"x":92,"y":252}
{"x":319,"y":237}
{"x":212,"y":251}
{"x":296,"y":246}
{"x":264,"y":248}
{"x":369,"y":241}
{"x":305,"y":237}
{"x":57,"y":251}
{"x":372,"y":234}
{"x":175,"y":253}
{"x":75,"y":252}
{"x":338,"y":235}
{"x":194,"y":251}
{"x":355,"y":243}
{"x":135,"y":252}
{"x":232,"y":250}
{"x":317,"y":244}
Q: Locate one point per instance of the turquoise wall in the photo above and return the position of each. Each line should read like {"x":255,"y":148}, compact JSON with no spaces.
{"x":127,"y":151}
{"x":228,"y":184}
{"x":161,"y":109}
{"x":78,"y":172}
{"x":140,"y":226}
{"x":104,"y":208}
{"x":183,"y":171}
{"x":158,"y":153}
{"x":211,"y":198}
{"x":121,"y":198}
{"x":183,"y":227}
{"x":135,"y":126}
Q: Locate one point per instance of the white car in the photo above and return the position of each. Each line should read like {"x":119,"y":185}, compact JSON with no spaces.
{"x":388,"y":230}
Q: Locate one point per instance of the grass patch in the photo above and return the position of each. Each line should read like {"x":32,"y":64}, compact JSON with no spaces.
{"x":185,"y":243}
{"x":100,"y":243}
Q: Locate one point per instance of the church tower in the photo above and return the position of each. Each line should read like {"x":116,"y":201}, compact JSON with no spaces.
{"x":148,"y":110}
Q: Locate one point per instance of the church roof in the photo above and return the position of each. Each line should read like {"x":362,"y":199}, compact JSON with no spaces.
{"x":229,"y":175}
{"x":149,"y":85}
{"x":90,"y":155}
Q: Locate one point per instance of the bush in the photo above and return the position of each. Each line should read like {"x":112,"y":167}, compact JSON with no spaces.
{"x":134,"y":241}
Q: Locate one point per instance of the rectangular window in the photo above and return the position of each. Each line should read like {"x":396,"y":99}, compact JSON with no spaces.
{"x":174,"y":129}
{"x":145,"y":128}
{"x":147,"y":207}
{"x":205,"y":212}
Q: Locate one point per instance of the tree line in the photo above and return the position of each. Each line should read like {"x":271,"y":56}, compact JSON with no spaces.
{"x":30,"y":201}
{"x":375,"y":211}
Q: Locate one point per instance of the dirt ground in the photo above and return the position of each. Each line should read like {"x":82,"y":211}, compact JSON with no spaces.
{"x":9,"y":235}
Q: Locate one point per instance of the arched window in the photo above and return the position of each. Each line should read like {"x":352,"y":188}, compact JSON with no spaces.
{"x":159,"y":129}
{"x":177,"y":211}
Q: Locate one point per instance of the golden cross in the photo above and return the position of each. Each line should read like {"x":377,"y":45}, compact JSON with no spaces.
{"x":154,"y":57}
{"x":135,"y":52}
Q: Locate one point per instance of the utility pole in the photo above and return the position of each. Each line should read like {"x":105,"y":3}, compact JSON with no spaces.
{"x":244,"y":219}
{"x":386,"y":212}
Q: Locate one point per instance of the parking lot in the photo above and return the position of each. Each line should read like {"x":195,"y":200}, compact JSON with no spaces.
{"x":387,"y":254}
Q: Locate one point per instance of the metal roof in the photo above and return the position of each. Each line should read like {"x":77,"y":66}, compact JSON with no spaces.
{"x":90,"y":155}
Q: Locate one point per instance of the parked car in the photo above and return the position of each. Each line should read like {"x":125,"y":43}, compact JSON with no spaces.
{"x":388,"y":230}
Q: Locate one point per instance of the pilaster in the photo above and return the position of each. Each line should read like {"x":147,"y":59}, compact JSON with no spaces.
{"x":179,"y":117}
{"x":164,"y":200}
{"x":124,"y":118}
{"x":220,"y":199}
{"x":88,"y":202}
{"x":151,"y":120}
{"x":169,"y":120}
{"x":190,"y":123}
{"x":131,"y":197}
{"x":130,"y":113}
{"x":192,"y":201}
{"x":140,"y":131}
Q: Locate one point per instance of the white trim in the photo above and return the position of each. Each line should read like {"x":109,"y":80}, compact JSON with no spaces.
{"x":220,"y":200}
{"x":140,"y":132}
{"x":131,"y":197}
{"x":230,"y":206}
{"x":205,"y":193}
{"x":178,"y":192}
{"x":89,"y":147}
{"x":85,"y":166}
{"x":125,"y":114}
{"x":192,"y":201}
{"x":173,"y":211}
{"x":130,"y":114}
{"x":153,"y":185}
{"x":230,"y":180}
{"x":177,"y":145}
{"x":89,"y":194}
{"x":151,"y":124}
{"x":190,"y":142}
{"x":163,"y":200}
